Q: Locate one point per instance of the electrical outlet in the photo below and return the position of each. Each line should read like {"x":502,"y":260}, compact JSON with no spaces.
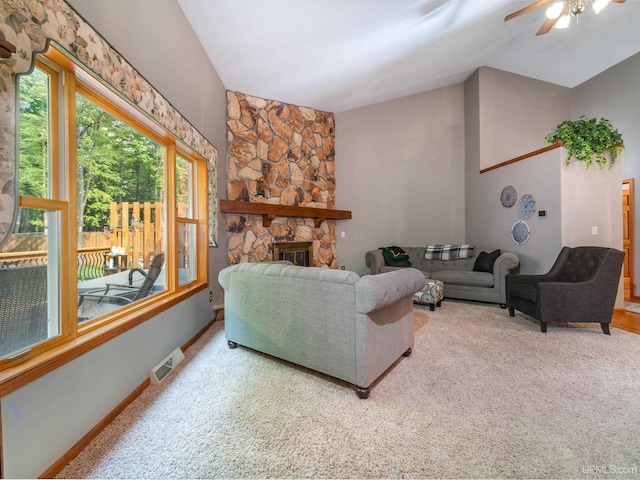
{"x":594,"y":230}
{"x":210,"y":297}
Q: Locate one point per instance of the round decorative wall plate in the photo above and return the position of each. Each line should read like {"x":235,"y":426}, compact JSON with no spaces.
{"x":508,"y":196}
{"x":520,"y":232}
{"x":526,"y":206}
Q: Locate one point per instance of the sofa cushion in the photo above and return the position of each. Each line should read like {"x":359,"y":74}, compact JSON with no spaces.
{"x":464,"y":277}
{"x":485,"y":261}
{"x":387,"y":268}
{"x":395,"y":257}
{"x":448,"y":252}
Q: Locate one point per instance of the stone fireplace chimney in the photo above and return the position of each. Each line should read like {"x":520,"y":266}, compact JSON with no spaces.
{"x":279,"y":154}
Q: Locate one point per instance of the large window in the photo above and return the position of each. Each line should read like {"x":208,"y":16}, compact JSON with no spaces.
{"x":119,"y":190}
{"x":186,"y":218}
{"x":112,"y":218}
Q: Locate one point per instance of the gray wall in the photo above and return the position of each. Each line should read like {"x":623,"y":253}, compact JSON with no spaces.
{"x":399,"y":169}
{"x":58,"y":409}
{"x":614,"y":94}
{"x":488,"y":222}
{"x":516,"y":114}
{"x":574,"y":198}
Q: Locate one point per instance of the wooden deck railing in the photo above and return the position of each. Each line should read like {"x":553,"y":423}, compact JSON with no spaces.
{"x":138,"y":228}
{"x":90,"y":262}
{"x":135,"y":227}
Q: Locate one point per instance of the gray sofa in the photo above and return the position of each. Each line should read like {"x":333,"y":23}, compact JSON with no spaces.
{"x":460,"y":281}
{"x":333,"y":321}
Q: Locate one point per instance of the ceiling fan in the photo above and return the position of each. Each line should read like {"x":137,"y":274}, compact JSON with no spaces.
{"x":559,"y":13}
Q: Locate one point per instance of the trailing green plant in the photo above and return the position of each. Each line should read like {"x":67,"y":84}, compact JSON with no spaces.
{"x":586,"y":140}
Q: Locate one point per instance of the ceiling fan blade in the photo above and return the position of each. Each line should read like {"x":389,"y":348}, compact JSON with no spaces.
{"x":524,"y":10}
{"x":549,"y":23}
{"x":546,"y":26}
{"x":618,"y":1}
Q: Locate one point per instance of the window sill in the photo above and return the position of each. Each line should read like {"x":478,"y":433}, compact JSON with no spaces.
{"x":12,"y":378}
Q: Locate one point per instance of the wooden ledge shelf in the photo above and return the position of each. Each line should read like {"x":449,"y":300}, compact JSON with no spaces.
{"x":270,"y":211}
{"x":522,"y":157}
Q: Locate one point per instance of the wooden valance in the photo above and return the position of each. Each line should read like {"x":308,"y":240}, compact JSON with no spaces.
{"x":270,"y":211}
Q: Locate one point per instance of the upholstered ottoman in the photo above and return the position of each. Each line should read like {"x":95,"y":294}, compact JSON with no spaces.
{"x":431,"y":294}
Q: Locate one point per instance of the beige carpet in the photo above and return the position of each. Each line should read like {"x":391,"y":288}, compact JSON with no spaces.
{"x":632,"y":307}
{"x":483,"y":395}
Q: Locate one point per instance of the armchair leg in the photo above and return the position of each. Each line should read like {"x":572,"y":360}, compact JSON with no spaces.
{"x":543,"y":327}
{"x":363,"y":392}
{"x":512,"y":313}
{"x":605,"y":328}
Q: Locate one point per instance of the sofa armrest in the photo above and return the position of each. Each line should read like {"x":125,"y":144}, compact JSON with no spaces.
{"x":580,"y":301}
{"x":506,"y":263}
{"x":528,"y":279}
{"x":374,"y":260}
{"x":374,"y":292}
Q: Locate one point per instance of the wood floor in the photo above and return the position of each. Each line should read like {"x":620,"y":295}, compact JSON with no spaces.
{"x":626,"y":320}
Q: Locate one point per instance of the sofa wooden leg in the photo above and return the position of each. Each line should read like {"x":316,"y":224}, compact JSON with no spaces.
{"x":407,"y":353}
{"x":432,"y":306}
{"x":232,"y":344}
{"x":512,"y":313}
{"x":362,"y":392}
{"x":605,"y":328}
{"x":503,"y":305}
{"x":543,"y":327}
{"x":439,"y":304}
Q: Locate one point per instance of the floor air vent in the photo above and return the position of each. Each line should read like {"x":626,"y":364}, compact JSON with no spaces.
{"x":159,"y":372}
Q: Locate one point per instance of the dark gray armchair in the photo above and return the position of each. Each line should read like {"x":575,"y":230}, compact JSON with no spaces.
{"x":580,"y":287}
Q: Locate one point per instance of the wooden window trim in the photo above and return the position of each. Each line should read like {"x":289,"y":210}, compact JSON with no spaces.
{"x":80,"y":339}
{"x":17,"y":376}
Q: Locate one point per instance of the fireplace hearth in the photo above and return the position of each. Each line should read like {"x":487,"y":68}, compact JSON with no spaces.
{"x":299,"y":253}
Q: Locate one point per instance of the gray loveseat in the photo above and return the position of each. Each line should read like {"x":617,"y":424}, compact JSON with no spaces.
{"x":460,"y":281}
{"x":333,"y":321}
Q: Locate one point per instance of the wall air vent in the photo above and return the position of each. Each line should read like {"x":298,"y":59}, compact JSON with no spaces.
{"x":160,"y":371}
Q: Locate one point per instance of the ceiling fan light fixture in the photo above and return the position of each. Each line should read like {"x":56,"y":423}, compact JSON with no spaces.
{"x":554,"y":10}
{"x":563,"y":21}
{"x":599,"y":5}
{"x":576,"y":7}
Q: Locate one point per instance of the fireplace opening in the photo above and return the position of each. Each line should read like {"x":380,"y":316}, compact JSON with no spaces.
{"x":298,"y":253}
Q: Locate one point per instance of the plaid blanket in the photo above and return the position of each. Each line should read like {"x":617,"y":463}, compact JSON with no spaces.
{"x":448,"y":252}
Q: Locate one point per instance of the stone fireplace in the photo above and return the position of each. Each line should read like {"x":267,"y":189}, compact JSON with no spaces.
{"x":279,"y":154}
{"x":298,"y":253}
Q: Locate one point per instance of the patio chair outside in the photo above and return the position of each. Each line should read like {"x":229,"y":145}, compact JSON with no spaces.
{"x":114,"y":296}
{"x":23,"y":307}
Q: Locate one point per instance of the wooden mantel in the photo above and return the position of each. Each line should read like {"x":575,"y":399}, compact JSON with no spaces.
{"x":270,"y":211}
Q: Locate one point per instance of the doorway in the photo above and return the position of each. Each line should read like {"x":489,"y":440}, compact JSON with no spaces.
{"x":627,"y":238}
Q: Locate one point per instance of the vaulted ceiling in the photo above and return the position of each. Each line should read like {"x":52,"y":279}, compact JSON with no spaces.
{"x":335,"y":55}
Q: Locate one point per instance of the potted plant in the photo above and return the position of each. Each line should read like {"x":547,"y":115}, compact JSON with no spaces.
{"x":587,"y":139}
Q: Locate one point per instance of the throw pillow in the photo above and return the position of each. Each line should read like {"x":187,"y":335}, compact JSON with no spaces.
{"x":395,"y":257}
{"x":485,"y":261}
